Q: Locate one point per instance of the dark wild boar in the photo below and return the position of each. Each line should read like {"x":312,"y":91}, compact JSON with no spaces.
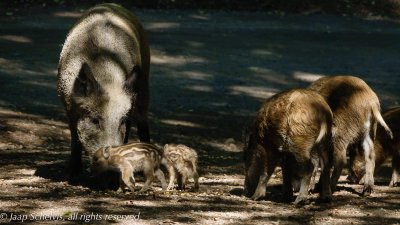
{"x":103,"y":82}
{"x":128,"y":159}
{"x":181,"y":162}
{"x":356,"y":111}
{"x":293,"y":126}
{"x":384,"y":147}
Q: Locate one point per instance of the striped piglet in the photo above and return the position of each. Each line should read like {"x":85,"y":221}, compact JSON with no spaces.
{"x":128,"y":159}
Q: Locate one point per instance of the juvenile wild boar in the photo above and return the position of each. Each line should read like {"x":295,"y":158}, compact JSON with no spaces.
{"x":103,"y":82}
{"x":128,"y":159}
{"x":356,"y":111}
{"x":181,"y":163}
{"x":293,"y":126}
{"x":384,"y":147}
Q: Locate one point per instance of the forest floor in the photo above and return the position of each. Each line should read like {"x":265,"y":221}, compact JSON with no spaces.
{"x":210,"y":73}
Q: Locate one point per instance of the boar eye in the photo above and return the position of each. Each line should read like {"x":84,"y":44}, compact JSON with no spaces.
{"x":95,"y":121}
{"x":124,"y":120}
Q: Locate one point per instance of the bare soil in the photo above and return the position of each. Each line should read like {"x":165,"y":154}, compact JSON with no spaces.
{"x":210,"y":72}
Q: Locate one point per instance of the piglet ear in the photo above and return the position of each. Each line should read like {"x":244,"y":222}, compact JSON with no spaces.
{"x":85,"y":84}
{"x":130,"y":82}
{"x":106,"y":152}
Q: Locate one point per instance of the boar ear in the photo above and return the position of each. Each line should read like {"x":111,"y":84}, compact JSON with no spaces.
{"x":130,"y":82}
{"x":85,"y":84}
{"x":106,"y":152}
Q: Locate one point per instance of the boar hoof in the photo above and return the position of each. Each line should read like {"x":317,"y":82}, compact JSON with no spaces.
{"x":367,"y":191}
{"x":301,"y":201}
{"x":257,"y":196}
{"x":324,"y":200}
{"x":393,"y":184}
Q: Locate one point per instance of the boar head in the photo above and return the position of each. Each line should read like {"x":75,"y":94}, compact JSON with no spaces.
{"x":100,"y":160}
{"x":104,"y":99}
{"x":254,"y":156}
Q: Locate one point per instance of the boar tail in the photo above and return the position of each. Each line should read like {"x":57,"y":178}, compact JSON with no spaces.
{"x":382,"y":122}
{"x":322,"y":132}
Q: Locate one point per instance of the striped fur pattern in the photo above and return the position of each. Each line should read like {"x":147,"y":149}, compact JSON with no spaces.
{"x":181,"y":162}
{"x":128,"y":159}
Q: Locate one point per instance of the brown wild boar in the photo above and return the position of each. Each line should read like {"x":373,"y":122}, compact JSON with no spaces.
{"x":384,"y":147}
{"x":103,"y":81}
{"x":356,"y":111}
{"x":293,"y":126}
{"x":181,"y":163}
{"x":128,"y":159}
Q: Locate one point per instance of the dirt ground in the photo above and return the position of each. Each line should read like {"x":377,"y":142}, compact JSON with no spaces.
{"x":210,"y":72}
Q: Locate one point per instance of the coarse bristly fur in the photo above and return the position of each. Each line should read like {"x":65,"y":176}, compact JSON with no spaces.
{"x":128,"y":159}
{"x":293,"y":126}
{"x":384,"y":148}
{"x":181,"y":163}
{"x":356,"y":111}
{"x":103,"y":80}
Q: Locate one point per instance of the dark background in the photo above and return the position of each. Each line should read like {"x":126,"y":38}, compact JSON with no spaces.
{"x":389,"y":8}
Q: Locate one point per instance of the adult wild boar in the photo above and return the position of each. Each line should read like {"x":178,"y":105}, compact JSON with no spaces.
{"x":103,"y":82}
{"x":295,"y":127}
{"x":384,"y":147}
{"x":356,"y":113}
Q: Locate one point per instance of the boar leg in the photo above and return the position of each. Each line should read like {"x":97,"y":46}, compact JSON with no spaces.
{"x":171,"y":172}
{"x":305,"y":170}
{"x":288,"y":178}
{"x":264,"y":177}
{"x":143,"y":128}
{"x":393,"y":181}
{"x":339,"y":161}
{"x":181,"y":181}
{"x":75,"y":163}
{"x":127,"y":131}
{"x":149,"y":174}
{"x":161,"y":177}
{"x":324,"y":180}
{"x":128,"y":179}
{"x":301,"y":165}
{"x":196,"y":181}
{"x":396,"y":169}
{"x":369,"y":154}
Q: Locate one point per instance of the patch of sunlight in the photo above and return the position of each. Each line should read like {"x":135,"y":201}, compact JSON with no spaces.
{"x":260,"y":70}
{"x":175,"y":60}
{"x":9,"y":64}
{"x":26,"y":171}
{"x":270,"y":75}
{"x":253,"y":91}
{"x":160,"y":25}
{"x":181,"y":123}
{"x":229,"y":145}
{"x":306,"y":77}
{"x":67,"y":14}
{"x":16,"y":38}
{"x":222,"y":180}
{"x":28,"y":180}
{"x":232,"y":217}
{"x":199,"y":17}
{"x":201,"y":88}
{"x":261,"y":52}
{"x":40,"y":84}
{"x":139,"y":203}
{"x":195,"y":75}
{"x":195,"y":44}
{"x":58,"y":208}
